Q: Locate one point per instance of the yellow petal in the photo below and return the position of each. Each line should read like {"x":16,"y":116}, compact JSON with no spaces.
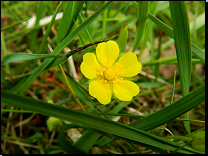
{"x":107,"y":53}
{"x":101,"y":91}
{"x":125,"y":90}
{"x":90,"y":67}
{"x":128,"y":65}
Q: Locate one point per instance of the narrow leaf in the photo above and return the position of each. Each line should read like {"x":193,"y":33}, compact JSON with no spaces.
{"x":122,"y":39}
{"x":142,"y":17}
{"x":26,"y":56}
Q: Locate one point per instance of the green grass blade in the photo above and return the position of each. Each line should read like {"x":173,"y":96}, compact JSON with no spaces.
{"x":168,"y":30}
{"x":26,"y":56}
{"x":15,"y":24}
{"x":59,"y":48}
{"x":87,"y":140}
{"x":94,"y":122}
{"x":80,"y":92}
{"x":48,"y":30}
{"x":70,"y":15}
{"x":64,"y":142}
{"x":180,"y":22}
{"x":39,"y":12}
{"x":173,"y":90}
{"x":4,"y":51}
{"x":182,"y":37}
{"x":65,"y":21}
{"x":120,"y":24}
{"x":142,"y":17}
{"x":168,"y":60}
{"x":149,"y":28}
{"x":105,"y":13}
{"x":158,"y":56}
{"x":122,"y":39}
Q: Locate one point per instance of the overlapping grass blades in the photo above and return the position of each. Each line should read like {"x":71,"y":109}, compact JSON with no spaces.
{"x":168,"y":30}
{"x":21,"y":89}
{"x":126,"y":132}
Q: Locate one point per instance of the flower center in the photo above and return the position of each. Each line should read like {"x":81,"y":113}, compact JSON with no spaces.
{"x":109,"y":74}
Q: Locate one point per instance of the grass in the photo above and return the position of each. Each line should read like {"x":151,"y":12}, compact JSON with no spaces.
{"x":46,"y":110}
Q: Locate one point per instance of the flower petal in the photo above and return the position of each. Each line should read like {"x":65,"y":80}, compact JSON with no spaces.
{"x":125,"y":90}
{"x":90,"y":67}
{"x":128,"y":65}
{"x":107,"y":53}
{"x":101,"y":91}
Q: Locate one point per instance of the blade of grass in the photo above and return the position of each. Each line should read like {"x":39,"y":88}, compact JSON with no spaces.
{"x":4,"y":51}
{"x":65,"y":144}
{"x":70,"y":15}
{"x":48,"y":30}
{"x":120,"y":24}
{"x":105,"y":13}
{"x":26,"y":56}
{"x":143,"y":7}
{"x":149,"y":27}
{"x":181,"y":31}
{"x":65,"y":21}
{"x":168,"y":60}
{"x":158,"y":56}
{"x":86,"y":30}
{"x":15,"y":24}
{"x":87,"y":140}
{"x":122,"y":39}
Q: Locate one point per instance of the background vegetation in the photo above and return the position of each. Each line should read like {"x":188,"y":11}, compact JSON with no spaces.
{"x":41,"y":90}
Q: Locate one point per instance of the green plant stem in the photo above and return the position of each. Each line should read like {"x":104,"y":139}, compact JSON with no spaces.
{"x":68,"y":85}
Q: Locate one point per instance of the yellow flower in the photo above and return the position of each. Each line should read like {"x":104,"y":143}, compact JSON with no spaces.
{"x":108,"y":73}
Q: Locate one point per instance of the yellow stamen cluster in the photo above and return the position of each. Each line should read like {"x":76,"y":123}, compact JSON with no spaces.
{"x":109,"y":74}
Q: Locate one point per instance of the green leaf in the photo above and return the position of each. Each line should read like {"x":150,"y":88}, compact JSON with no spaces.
{"x":182,"y":37}
{"x":181,"y":30}
{"x":26,"y":56}
{"x":142,"y":17}
{"x":65,"y":21}
{"x":108,"y":126}
{"x":122,"y":39}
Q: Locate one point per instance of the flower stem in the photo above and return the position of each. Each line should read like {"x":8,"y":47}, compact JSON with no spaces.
{"x":68,"y":85}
